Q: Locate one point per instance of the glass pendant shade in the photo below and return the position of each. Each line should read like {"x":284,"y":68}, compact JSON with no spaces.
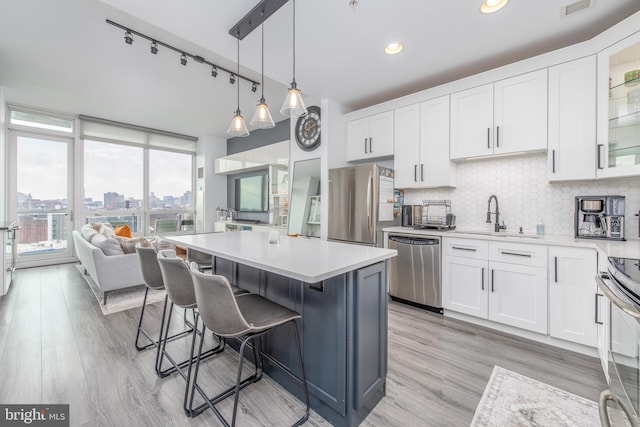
{"x":238,"y":126}
{"x":262,"y":117}
{"x":293,"y":104}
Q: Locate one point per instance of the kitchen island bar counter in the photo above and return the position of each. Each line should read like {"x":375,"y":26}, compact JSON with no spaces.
{"x":339,"y":289}
{"x":307,"y":260}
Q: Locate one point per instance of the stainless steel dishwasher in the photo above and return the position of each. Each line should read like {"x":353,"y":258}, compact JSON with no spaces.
{"x":414,"y":275}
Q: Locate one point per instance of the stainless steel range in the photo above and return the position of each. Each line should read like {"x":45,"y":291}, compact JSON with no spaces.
{"x":621,"y":353}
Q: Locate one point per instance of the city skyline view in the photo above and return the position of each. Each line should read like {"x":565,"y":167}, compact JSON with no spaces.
{"x":108,"y":168}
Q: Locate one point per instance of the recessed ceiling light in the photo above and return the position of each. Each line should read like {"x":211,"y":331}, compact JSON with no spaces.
{"x":393,"y":48}
{"x":490,"y":6}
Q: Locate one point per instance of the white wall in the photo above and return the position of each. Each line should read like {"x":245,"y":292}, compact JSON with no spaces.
{"x":3,"y":153}
{"x":524,"y":196}
{"x":213,"y":187}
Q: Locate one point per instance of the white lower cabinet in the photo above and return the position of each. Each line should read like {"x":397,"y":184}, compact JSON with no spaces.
{"x":499,"y":281}
{"x":572,"y":301}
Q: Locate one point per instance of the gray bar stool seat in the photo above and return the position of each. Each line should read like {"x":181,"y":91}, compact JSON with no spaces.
{"x":246,"y":317}
{"x":153,"y":280}
{"x":204,"y":260}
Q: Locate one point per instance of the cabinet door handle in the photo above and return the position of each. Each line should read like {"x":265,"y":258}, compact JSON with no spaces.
{"x":597,"y":320}
{"x":365,"y":146}
{"x":497,"y":136}
{"x":370,"y":146}
{"x":555,"y":269}
{"x":422,"y":172}
{"x":515,"y":254}
{"x":492,"y":279}
{"x":415,"y":173}
{"x":553,"y":161}
{"x":483,"y":278}
{"x":463,"y":249}
{"x":488,"y":137}
{"x":600,"y":156}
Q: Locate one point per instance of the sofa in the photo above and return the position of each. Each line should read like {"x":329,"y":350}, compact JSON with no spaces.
{"x":117,"y":270}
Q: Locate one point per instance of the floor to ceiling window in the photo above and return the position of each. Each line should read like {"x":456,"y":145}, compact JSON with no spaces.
{"x":60,"y":177}
{"x":40,"y":193}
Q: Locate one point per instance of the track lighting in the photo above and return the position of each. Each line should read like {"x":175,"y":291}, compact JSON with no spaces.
{"x":254,"y":87}
{"x":155,"y":44}
{"x":232,"y":79}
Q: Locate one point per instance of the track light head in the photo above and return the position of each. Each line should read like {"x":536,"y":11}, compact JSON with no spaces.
{"x":128,"y":37}
{"x":183,"y":59}
{"x":254,"y":87}
{"x":154,"y":47}
{"x":232,"y":78}
{"x":214,"y":72}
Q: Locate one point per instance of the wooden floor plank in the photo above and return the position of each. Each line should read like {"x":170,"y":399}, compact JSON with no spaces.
{"x":438,"y":367}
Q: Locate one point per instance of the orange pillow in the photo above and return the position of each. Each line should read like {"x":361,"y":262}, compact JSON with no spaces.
{"x":123,"y":231}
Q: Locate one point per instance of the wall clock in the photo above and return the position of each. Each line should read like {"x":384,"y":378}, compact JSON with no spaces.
{"x":308,"y":129}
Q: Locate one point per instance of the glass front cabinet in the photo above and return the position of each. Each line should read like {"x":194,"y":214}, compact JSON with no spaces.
{"x":618,"y":150}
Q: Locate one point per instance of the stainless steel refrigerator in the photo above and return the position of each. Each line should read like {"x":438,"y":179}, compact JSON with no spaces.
{"x":360,"y":204}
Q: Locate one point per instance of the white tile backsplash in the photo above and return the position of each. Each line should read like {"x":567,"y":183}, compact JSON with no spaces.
{"x":524,"y":195}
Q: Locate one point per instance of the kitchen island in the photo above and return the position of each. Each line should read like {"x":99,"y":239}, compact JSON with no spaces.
{"x":341,"y":292}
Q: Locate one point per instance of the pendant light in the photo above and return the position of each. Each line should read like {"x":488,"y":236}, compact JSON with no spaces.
{"x":262,"y":117}
{"x":293,"y":105}
{"x":237,"y":126}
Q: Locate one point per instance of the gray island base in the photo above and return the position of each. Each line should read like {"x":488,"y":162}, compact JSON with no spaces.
{"x":344,"y":315}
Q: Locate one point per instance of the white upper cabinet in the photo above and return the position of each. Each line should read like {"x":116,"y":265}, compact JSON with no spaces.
{"x":505,"y":117}
{"x":572,"y":120}
{"x":421,"y":150}
{"x":370,"y":137}
{"x":618,"y":95}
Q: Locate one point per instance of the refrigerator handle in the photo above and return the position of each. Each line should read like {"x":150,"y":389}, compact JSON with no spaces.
{"x":369,"y":205}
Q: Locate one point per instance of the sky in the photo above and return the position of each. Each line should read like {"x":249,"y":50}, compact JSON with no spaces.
{"x":42,"y":169}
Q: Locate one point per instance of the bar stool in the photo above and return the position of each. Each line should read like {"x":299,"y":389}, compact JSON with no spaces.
{"x":203,"y":259}
{"x":152,"y":277}
{"x":246,"y":317}
{"x":179,"y":286}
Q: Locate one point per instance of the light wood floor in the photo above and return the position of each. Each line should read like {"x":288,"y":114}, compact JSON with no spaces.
{"x":57,"y":347}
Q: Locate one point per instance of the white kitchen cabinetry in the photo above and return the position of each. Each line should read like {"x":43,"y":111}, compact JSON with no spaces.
{"x":572,"y":120}
{"x":370,"y":137}
{"x":505,"y":117}
{"x":500,"y":281}
{"x":421,"y":158}
{"x":571,"y":297}
{"x":618,"y":109}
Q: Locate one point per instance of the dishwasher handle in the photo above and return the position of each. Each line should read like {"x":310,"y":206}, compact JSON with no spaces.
{"x":414,"y":241}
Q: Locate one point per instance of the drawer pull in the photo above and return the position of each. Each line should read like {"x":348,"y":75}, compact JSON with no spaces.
{"x":463,"y":249}
{"x":483,"y":278}
{"x":597,"y":311}
{"x":515,"y":254}
{"x":492,"y":279}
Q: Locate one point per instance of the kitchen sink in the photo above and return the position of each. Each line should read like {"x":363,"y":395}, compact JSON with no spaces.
{"x":497,"y":234}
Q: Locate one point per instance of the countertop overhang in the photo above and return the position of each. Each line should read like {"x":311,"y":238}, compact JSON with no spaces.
{"x":307,"y":260}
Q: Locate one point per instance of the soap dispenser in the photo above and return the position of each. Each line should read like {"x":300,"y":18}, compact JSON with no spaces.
{"x":540,"y":227}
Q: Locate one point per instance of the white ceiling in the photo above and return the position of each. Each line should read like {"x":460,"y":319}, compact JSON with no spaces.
{"x":61,"y":55}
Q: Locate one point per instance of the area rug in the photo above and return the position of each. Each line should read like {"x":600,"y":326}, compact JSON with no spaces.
{"x":121,"y":299}
{"x":512,"y":400}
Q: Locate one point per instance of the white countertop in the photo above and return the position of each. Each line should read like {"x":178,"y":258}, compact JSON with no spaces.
{"x":623,"y":249}
{"x":308,"y":260}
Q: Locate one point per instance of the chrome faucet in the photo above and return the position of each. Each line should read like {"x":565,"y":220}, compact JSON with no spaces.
{"x":498,"y":227}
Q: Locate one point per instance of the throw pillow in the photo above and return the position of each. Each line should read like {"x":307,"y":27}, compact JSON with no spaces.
{"x":96,"y":225}
{"x":88,"y":232}
{"x":123,"y":231}
{"x":109,"y":246}
{"x":107,"y":231}
{"x":129,"y":245}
